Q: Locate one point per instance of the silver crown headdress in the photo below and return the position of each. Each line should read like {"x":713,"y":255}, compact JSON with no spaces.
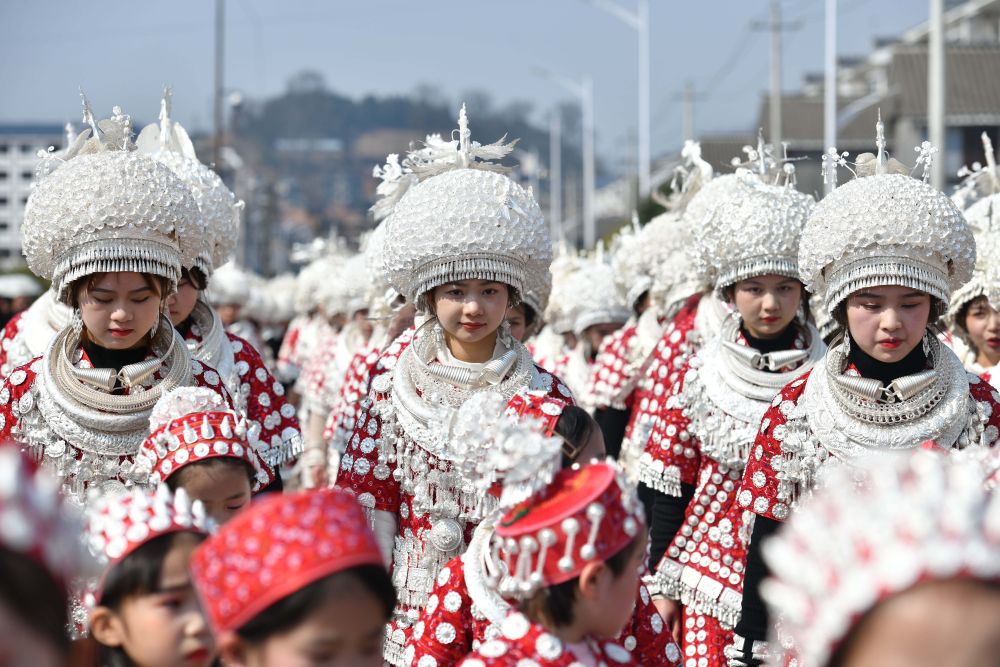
{"x":629,"y":261}
{"x":884,"y":228}
{"x":230,"y":285}
{"x":464,"y":220}
{"x":168,"y":143}
{"x":102,"y":207}
{"x":561,"y":311}
{"x":755,"y":229}
{"x":596,"y":293}
{"x":665,"y":242}
{"x":982,"y":194}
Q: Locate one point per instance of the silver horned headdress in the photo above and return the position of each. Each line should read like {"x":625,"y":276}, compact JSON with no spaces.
{"x":167,"y":142}
{"x":981,"y":192}
{"x":755,"y":229}
{"x":102,"y":207}
{"x":464,"y":220}
{"x":884,"y":227}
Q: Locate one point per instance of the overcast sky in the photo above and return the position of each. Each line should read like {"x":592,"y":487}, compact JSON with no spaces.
{"x":123,"y":51}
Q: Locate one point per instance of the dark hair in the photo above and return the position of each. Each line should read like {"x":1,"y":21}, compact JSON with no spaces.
{"x":38,"y":600}
{"x":575,"y":425}
{"x":553,"y":605}
{"x":292,"y":609}
{"x":530,"y":316}
{"x":196,"y":277}
{"x":158,"y":284}
{"x":176,"y":480}
{"x":138,"y":574}
{"x":636,"y":305}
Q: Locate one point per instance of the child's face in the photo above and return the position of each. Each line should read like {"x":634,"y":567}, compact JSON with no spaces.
{"x":613,"y":598}
{"x":345,"y":631}
{"x":165,"y":628}
{"x":224,"y":489}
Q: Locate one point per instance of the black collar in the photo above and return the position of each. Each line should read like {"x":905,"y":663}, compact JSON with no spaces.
{"x":869,"y":367}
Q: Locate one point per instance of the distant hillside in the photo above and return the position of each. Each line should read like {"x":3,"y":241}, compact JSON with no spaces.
{"x":321,"y":146}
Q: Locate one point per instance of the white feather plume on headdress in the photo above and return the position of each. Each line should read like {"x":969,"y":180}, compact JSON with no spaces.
{"x":438,"y":157}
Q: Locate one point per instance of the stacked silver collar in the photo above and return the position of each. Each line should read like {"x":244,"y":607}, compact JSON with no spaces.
{"x":727,"y":391}
{"x":849,"y":415}
{"x":90,"y":435}
{"x":904,"y":399}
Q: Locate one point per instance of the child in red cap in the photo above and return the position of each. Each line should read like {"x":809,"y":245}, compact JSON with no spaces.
{"x":295,"y":578}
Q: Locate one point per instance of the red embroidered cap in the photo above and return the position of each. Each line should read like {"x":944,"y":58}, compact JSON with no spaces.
{"x":586,"y":514}
{"x":199,"y":436}
{"x":118,"y":524}
{"x":540,"y":405}
{"x":278,"y":546}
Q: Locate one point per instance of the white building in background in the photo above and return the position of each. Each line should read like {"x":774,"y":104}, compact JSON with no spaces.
{"x":19,"y":145}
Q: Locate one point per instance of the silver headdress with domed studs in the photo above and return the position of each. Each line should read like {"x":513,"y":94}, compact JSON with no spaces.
{"x":884,"y":227}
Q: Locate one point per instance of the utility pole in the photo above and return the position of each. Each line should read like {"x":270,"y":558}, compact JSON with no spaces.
{"x":220,"y":35}
{"x":589,"y":171}
{"x":584,"y":91}
{"x":644,"y":131}
{"x":555,"y":175}
{"x":638,"y":21}
{"x":775,"y":27}
{"x":830,"y":83}
{"x":935,"y":93}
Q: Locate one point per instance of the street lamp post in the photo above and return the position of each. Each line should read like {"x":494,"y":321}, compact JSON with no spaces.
{"x":584,"y":91}
{"x":639,"y":21}
{"x":555,"y":175}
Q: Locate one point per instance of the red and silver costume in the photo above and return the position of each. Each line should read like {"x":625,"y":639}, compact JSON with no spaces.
{"x":463,"y":220}
{"x":254,"y":391}
{"x":694,"y":459}
{"x":882,"y":228}
{"x":87,"y":423}
{"x":689,"y":319}
{"x":586,"y":514}
{"x":28,"y":333}
{"x":464,"y":611}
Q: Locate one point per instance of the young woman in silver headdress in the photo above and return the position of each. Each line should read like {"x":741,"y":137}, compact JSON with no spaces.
{"x":111,"y":229}
{"x":973,"y":314}
{"x":253,"y":389}
{"x":693,"y":314}
{"x":886,"y":251}
{"x":693,"y":462}
{"x":460,"y":244}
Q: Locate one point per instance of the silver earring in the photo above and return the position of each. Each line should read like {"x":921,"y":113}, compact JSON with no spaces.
{"x":927,"y":344}
{"x":438,"y":333}
{"x":846,"y":345}
{"x":506,"y":337}
{"x":76,"y":323}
